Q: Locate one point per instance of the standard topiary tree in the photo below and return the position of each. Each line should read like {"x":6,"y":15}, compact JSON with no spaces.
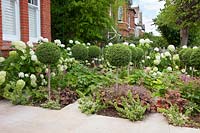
{"x":195,"y":58}
{"x":134,"y":54}
{"x":118,"y":55}
{"x":48,"y":53}
{"x":80,"y":52}
{"x":185,"y":56}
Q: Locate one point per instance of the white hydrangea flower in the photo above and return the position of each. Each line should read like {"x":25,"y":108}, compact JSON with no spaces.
{"x":176,"y":57}
{"x":70,"y":53}
{"x":3,"y":73}
{"x":19,"y":45}
{"x":2,"y":59}
{"x":23,"y":57}
{"x":171,"y":48}
{"x":71,"y":41}
{"x":20,"y":84}
{"x":86,"y":61}
{"x":110,"y":44}
{"x":167,"y":54}
{"x":26,"y":75}
{"x":30,"y":44}
{"x":132,"y":45}
{"x":156,"y":62}
{"x":159,"y":73}
{"x":162,"y":55}
{"x":143,"y":61}
{"x":77,"y":42}
{"x":33,"y":84}
{"x":21,"y":75}
{"x":156,"y":49}
{"x":148,"y":57}
{"x":125,"y":43}
{"x":142,"y":41}
{"x":41,"y":76}
{"x":32,"y":52}
{"x":88,"y":44}
{"x":57,"y":41}
{"x":45,"y":40}
{"x":2,"y":79}
{"x":176,"y":67}
{"x":157,"y":57}
{"x":155,"y":69}
{"x":185,"y":46}
{"x":147,"y":40}
{"x":62,"y":45}
{"x":33,"y":77}
{"x":33,"y":57}
{"x":53,"y":74}
{"x":195,"y":47}
{"x":44,"y":82}
{"x":169,"y":69}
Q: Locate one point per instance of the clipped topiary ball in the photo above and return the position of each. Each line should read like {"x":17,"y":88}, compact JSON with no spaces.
{"x":185,"y":56}
{"x":134,"y":53}
{"x":94,"y":52}
{"x":118,"y":55}
{"x":48,"y":53}
{"x":140,"y":54}
{"x":195,"y":58}
{"x":80,"y":52}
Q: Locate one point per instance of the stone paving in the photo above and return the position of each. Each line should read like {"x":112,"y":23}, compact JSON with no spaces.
{"x":26,"y":119}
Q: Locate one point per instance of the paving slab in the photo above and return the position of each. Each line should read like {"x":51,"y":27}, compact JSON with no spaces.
{"x":28,"y":119}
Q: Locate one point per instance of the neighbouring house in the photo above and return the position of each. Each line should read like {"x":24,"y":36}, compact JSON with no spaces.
{"x":24,"y":20}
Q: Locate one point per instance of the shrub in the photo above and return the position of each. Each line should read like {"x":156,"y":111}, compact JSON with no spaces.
{"x":185,"y":56}
{"x":131,"y":108}
{"x":48,"y":53}
{"x":134,"y":53}
{"x":94,"y":52}
{"x":80,"y":52}
{"x":140,"y":54}
{"x":195,"y":58}
{"x":118,"y":55}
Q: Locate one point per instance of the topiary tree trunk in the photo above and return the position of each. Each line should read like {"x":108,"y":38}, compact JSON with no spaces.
{"x":49,"y":81}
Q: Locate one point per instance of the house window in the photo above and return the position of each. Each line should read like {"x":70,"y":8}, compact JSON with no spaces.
{"x":10,"y":20}
{"x":34,"y":19}
{"x":129,"y":21}
{"x":120,"y":13}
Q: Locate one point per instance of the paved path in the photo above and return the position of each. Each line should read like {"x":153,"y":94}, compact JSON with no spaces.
{"x":25,"y":119}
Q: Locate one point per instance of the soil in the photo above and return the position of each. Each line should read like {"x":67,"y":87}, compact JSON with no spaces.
{"x":110,"y":111}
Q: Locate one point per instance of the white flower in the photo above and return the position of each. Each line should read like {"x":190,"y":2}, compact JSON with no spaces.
{"x":32,"y":52}
{"x":83,"y":44}
{"x":71,"y":41}
{"x":3,"y":73}
{"x":195,"y":47}
{"x":41,"y":76}
{"x":171,"y":48}
{"x":157,"y":57}
{"x":26,"y":75}
{"x":33,"y":84}
{"x":68,"y":48}
{"x":21,"y":75}
{"x":132,"y":45}
{"x":176,"y":57}
{"x":20,"y":84}
{"x":19,"y":45}
{"x":148,"y":41}
{"x":2,"y":59}
{"x":162,"y":55}
{"x":169,"y":69}
{"x":148,"y":57}
{"x":53,"y":74}
{"x":159,"y":73}
{"x":93,"y":62}
{"x":23,"y":57}
{"x":142,"y":41}
{"x":156,"y":62}
{"x":33,"y":77}
{"x":88,"y":44}
{"x":147,"y":69}
{"x":77,"y":42}
{"x":167,"y":54}
{"x":185,"y":46}
{"x":155,"y":69}
{"x":190,"y":68}
{"x":62,"y":45}
{"x":125,"y":43}
{"x":44,"y":82}
{"x":45,"y":40}
{"x":154,"y":74}
{"x":33,"y":57}
{"x":176,"y":67}
{"x":70,"y":53}
{"x":30,"y":44}
{"x":86,"y":61}
{"x":143,"y":61}
{"x":156,"y":49}
{"x":57,"y":41}
{"x":183,"y":70}
{"x":110,"y":44}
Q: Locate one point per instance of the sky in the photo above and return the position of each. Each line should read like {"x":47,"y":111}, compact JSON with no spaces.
{"x":150,"y":9}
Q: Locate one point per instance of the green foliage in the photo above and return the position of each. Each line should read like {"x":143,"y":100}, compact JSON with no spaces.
{"x":89,"y":105}
{"x":48,"y":53}
{"x":86,"y":20}
{"x":118,"y":55}
{"x":131,"y":109}
{"x":185,"y":56}
{"x":195,"y":58}
{"x":134,"y":54}
{"x":94,"y":52}
{"x":50,"y":104}
{"x":174,"y":116}
{"x":140,"y":54}
{"x":80,"y":52}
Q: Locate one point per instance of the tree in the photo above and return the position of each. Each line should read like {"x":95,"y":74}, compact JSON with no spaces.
{"x":86,"y":20}
{"x":181,"y":15}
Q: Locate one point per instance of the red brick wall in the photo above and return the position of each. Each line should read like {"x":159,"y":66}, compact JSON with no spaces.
{"x":1,"y":37}
{"x":24,"y":23}
{"x":46,"y":19}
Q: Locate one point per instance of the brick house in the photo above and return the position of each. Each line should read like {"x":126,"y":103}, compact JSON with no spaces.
{"x":24,"y":20}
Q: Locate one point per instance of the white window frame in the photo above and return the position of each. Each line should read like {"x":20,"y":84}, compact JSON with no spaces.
{"x":38,"y":30}
{"x":120,"y":14}
{"x":8,"y":37}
